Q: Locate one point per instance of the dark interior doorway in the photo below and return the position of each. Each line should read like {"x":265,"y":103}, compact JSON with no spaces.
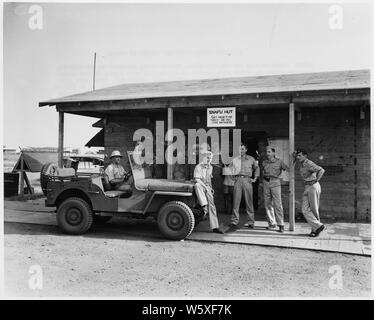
{"x":256,"y":142}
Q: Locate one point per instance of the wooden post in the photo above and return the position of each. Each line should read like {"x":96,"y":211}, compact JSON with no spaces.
{"x":28,"y":184}
{"x":22,"y":181}
{"x":292,"y":167}
{"x":169,"y":142}
{"x":60,"y":139}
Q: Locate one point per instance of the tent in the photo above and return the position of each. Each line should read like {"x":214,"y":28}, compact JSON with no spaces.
{"x":32,"y":161}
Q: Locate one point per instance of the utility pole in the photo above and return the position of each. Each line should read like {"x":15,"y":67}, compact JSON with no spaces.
{"x":94,"y":71}
{"x":291,"y":216}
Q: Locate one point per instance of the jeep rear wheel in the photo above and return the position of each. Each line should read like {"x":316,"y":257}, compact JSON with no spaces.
{"x":74,"y":216}
{"x":175,"y":220}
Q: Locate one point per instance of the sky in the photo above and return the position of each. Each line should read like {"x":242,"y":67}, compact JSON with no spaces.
{"x":160,"y":42}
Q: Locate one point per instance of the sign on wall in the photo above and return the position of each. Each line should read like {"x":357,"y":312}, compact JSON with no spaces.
{"x":221,"y":117}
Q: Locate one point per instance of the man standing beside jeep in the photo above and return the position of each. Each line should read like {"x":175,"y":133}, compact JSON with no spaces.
{"x":204,"y":192}
{"x":117,"y":176}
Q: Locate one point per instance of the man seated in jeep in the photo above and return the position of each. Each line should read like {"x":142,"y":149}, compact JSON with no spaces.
{"x":117,"y":177}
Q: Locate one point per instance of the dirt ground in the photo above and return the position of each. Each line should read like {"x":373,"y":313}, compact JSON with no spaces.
{"x":104,"y":263}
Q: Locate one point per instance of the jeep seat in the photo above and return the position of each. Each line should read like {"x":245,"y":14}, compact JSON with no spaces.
{"x":143,"y":179}
{"x":65,"y":172}
{"x":117,"y":194}
{"x":111,"y":193}
{"x":164,"y":185}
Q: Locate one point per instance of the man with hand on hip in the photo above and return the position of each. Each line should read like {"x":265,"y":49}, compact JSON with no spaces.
{"x":311,"y":174}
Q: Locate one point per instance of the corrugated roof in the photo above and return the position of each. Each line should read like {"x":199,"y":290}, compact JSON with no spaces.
{"x":335,"y":80}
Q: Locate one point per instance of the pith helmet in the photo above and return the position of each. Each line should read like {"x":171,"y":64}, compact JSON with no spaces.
{"x":115,"y":153}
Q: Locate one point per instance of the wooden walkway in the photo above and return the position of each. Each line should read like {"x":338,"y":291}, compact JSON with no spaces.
{"x":349,"y":238}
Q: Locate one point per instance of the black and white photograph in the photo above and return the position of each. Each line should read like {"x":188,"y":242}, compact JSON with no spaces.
{"x":186,"y":150}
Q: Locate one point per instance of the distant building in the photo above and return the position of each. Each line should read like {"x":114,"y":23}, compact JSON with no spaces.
{"x":9,"y":150}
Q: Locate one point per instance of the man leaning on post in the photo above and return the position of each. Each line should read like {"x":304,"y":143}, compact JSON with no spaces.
{"x":311,"y":174}
{"x":272,"y":168}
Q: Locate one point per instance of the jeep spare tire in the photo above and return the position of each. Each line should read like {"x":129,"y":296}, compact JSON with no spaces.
{"x":49,"y":169}
{"x":175,"y":220}
{"x":74,"y":216}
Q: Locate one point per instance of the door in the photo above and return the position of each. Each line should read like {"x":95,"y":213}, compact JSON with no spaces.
{"x":256,"y":142}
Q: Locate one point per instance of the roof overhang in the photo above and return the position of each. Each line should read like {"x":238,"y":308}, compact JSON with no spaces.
{"x":251,"y":101}
{"x":314,"y":89}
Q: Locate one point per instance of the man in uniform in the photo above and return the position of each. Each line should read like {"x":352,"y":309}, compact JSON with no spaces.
{"x":272,"y":168}
{"x":118,"y":178}
{"x":204,"y":192}
{"x":311,"y":174}
{"x":243,"y":168}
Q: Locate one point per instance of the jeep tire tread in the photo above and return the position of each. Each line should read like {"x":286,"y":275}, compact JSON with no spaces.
{"x":175,"y":220}
{"x":74,"y":216}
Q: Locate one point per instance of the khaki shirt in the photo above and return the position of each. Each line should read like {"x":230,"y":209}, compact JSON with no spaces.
{"x":204,"y":172}
{"x":273,"y":168}
{"x":245,"y":166}
{"x":115,"y":171}
{"x":308,"y":170}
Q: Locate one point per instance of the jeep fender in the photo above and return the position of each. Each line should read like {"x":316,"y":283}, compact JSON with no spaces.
{"x":159,"y":198}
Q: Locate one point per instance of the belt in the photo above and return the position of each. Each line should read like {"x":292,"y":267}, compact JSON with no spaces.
{"x":269,"y":178}
{"x":242,"y":176}
{"x":310,"y":183}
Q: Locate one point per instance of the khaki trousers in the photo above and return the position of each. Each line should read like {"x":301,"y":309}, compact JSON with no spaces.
{"x":273,"y":202}
{"x":310,"y":205}
{"x":243,"y":187}
{"x":124,"y":186}
{"x":206,"y":198}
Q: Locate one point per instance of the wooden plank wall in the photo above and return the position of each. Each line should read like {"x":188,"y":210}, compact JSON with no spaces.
{"x":339,"y":141}
{"x":336,"y":138}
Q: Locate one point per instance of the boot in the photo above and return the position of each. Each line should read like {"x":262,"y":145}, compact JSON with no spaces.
{"x":281,"y":229}
{"x":218,"y":230}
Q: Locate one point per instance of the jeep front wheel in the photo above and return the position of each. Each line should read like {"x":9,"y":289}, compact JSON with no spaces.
{"x":175,"y":220}
{"x":74,"y":216}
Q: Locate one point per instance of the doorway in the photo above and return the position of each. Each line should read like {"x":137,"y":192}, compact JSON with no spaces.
{"x":256,"y":142}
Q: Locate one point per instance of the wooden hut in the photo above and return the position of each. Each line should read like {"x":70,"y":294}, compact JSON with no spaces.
{"x":327,"y":113}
